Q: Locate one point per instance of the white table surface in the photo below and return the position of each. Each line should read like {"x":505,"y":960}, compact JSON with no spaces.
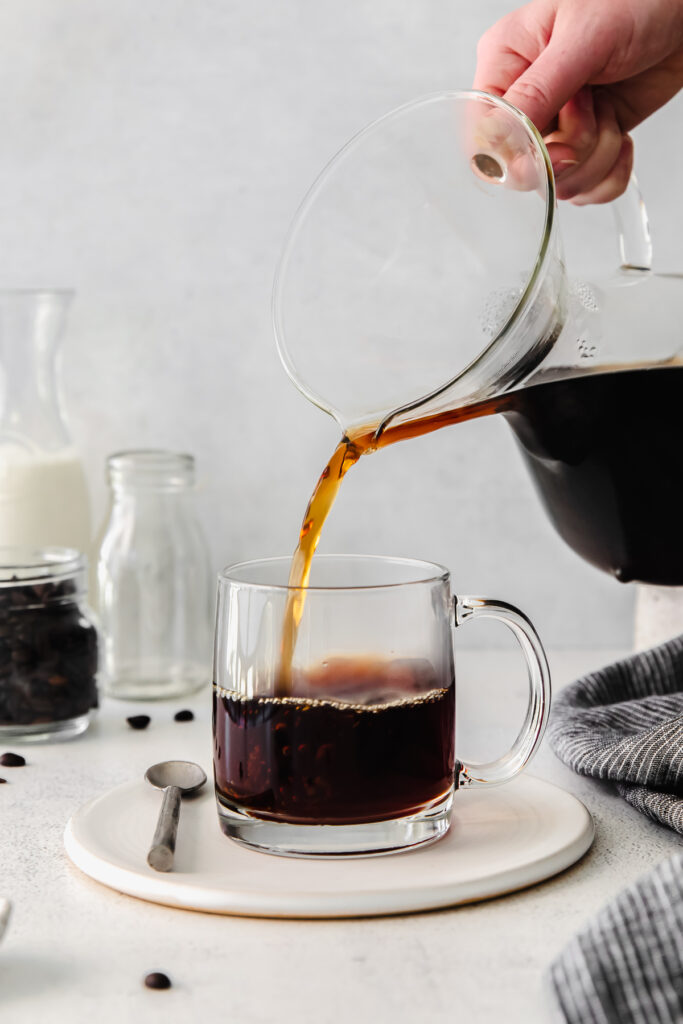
{"x":77,"y":951}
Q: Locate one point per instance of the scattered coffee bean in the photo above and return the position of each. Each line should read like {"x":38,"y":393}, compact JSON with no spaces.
{"x":139,"y":722}
{"x":156,"y":979}
{"x":12,"y":760}
{"x":2,"y":781}
{"x":183,"y":716}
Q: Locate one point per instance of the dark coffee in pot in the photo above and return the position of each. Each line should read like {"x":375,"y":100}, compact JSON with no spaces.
{"x":606,"y":455}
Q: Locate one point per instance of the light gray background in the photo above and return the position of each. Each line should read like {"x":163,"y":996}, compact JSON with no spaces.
{"x":151,"y":155}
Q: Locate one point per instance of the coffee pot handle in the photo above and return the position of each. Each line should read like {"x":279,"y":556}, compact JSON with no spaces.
{"x":530,"y":735}
{"x":630,"y":216}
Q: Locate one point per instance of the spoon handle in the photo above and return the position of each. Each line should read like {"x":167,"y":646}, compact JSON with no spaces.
{"x":160,"y":856}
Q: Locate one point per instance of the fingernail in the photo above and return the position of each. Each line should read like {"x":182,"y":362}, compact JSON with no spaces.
{"x":562,"y":167}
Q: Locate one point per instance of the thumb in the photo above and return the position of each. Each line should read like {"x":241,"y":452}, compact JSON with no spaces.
{"x":555,"y":76}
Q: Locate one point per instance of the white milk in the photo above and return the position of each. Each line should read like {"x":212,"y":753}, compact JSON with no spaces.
{"x":43,"y":498}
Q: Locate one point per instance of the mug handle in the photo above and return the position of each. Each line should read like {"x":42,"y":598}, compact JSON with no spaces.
{"x":530,"y":735}
{"x":633,"y":230}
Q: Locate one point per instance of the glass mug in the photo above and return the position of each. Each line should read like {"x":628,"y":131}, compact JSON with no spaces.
{"x":352,"y":752}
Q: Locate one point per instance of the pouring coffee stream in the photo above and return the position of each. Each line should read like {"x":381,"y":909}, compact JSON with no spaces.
{"x":584,"y":374}
{"x":362,"y":441}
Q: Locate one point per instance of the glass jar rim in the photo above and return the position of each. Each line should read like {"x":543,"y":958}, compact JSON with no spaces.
{"x":153,"y":468}
{"x":417,"y":571}
{"x":27,"y":565}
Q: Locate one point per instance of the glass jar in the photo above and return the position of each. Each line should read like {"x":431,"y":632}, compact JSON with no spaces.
{"x":48,"y":644}
{"x":154,"y":581}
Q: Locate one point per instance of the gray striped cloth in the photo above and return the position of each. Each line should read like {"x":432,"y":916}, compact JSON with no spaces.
{"x":626,"y":966}
{"x":624,"y":724}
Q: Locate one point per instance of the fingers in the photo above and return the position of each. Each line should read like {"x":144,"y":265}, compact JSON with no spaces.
{"x":549,"y":83}
{"x":504,"y":52}
{"x":613,"y":184}
{"x":541,"y":65}
{"x":575,"y":136}
{"x":586,"y":145}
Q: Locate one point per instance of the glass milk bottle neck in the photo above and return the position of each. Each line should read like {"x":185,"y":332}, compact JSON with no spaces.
{"x":149,"y":477}
{"x":31,"y":331}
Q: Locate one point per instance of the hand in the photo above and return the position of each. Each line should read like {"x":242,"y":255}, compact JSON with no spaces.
{"x":586,"y":72}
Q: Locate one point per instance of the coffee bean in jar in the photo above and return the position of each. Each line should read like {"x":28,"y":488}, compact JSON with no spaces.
{"x":48,"y":644}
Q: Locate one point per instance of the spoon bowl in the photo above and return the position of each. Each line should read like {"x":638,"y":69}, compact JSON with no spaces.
{"x":186,"y":776}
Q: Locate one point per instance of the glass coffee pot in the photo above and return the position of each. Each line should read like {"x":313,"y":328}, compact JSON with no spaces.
{"x":422,"y":283}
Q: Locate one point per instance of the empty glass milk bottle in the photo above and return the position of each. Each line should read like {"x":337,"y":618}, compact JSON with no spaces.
{"x":153,"y":580}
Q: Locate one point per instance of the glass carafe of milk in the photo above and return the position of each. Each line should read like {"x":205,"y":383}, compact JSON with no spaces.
{"x":43,"y":492}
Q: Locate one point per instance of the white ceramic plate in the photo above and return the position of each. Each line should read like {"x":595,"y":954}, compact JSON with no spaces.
{"x":501,"y":839}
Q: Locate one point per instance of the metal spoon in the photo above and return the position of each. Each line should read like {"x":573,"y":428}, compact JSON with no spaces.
{"x":177,"y":779}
